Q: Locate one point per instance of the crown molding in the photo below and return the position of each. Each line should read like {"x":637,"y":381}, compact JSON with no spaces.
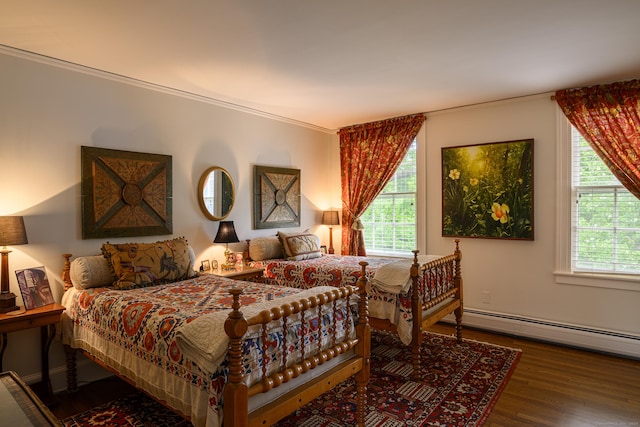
{"x":71,"y":66}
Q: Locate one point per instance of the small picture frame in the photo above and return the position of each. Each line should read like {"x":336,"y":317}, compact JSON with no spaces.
{"x":231,"y":258}
{"x":323,"y":249}
{"x":214,"y":265}
{"x":239,"y":260}
{"x":34,"y":287}
{"x":205,"y":265}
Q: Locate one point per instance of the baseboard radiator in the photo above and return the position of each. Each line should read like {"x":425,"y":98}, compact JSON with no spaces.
{"x":601,"y":340}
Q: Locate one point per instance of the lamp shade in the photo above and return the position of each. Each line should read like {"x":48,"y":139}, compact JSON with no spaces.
{"x":226,"y":233}
{"x":330,"y":218}
{"x":12,"y":231}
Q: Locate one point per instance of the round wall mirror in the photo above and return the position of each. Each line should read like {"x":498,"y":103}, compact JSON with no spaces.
{"x":216,"y":193}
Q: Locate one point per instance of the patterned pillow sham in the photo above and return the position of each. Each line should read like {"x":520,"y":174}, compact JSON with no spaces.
{"x":300,"y":246}
{"x":137,"y":265}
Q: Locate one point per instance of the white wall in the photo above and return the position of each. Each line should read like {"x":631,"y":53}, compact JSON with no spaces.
{"x":47,"y":112}
{"x":519,"y":274}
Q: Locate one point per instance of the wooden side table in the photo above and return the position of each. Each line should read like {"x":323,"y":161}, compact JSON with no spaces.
{"x":45,"y":317}
{"x":23,"y":408}
{"x":250,"y":274}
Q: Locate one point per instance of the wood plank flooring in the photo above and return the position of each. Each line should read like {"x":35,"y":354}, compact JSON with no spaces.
{"x":551,"y":386}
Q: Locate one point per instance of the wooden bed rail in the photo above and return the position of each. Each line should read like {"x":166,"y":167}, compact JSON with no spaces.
{"x":237,"y":393}
{"x":436,"y":289}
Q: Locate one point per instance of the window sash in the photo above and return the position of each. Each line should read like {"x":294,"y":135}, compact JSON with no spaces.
{"x":390,"y":225}
{"x":605,"y":219}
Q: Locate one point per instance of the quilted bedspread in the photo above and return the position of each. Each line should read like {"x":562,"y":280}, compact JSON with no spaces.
{"x":328,"y":270}
{"x":341,"y":270}
{"x":134,"y":331}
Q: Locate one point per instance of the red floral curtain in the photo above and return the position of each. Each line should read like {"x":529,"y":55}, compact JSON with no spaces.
{"x":608,"y":116}
{"x":369,"y":156}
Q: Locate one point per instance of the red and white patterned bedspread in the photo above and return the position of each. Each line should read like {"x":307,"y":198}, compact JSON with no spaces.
{"x":341,"y":270}
{"x":327,"y":270}
{"x":134,"y":332}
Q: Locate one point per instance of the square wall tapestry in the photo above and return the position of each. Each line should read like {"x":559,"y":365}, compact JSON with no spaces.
{"x":276,"y":193}
{"x":125,"y":193}
{"x":487,"y":190}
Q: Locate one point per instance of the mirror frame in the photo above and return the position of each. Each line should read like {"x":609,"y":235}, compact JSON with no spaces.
{"x":201,"y":183}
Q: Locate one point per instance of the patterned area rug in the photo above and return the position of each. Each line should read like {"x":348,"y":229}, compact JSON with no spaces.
{"x":458,"y":386}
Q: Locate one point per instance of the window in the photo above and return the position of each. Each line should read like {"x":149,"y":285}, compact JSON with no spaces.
{"x":605,"y":216}
{"x":390,"y":222}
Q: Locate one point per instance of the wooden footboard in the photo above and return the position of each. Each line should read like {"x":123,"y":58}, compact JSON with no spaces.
{"x":237,"y":393}
{"x":436,"y":292}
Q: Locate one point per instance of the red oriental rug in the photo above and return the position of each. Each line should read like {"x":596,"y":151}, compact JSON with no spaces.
{"x":458,"y":386}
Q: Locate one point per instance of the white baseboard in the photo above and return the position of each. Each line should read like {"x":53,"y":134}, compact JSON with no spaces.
{"x":611,"y":342}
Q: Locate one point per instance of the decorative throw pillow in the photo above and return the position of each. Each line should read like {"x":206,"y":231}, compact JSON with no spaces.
{"x":300,"y":246}
{"x":137,"y":265}
{"x":91,"y":272}
{"x":262,"y":248}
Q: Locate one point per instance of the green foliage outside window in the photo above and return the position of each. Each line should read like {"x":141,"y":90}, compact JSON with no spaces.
{"x":390,"y":222}
{"x":606,"y":216}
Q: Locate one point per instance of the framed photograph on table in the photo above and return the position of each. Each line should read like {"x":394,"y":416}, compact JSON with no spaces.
{"x":34,"y":287}
{"x":205,"y":265}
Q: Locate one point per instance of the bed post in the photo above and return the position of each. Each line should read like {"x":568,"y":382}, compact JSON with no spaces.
{"x":458,"y":285}
{"x":236,"y":398}
{"x":69,"y":352}
{"x":363,"y":348}
{"x":66,"y":271}
{"x":72,"y":375}
{"x":416,"y":309}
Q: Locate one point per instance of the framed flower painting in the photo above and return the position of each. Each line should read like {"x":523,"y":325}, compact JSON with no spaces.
{"x":487,"y":190}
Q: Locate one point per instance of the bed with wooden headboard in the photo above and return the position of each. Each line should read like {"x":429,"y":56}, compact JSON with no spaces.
{"x":200,"y":344}
{"x":407,"y":295}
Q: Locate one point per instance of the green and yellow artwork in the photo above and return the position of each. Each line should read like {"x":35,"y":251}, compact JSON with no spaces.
{"x":487,"y":190}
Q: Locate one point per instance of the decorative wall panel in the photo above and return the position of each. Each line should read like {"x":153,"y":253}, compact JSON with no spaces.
{"x":125,"y":193}
{"x":276,"y":197}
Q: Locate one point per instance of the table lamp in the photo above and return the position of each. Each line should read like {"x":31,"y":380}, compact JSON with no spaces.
{"x":12,"y":233}
{"x":226,"y":234}
{"x":330,"y":218}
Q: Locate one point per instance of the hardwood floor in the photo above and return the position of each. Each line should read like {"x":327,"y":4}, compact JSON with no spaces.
{"x":551,"y":386}
{"x":564,"y":387}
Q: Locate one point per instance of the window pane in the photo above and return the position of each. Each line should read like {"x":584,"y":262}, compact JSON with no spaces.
{"x":606,"y":217}
{"x":596,"y":209}
{"x":390,"y":222}
{"x":629,"y":211}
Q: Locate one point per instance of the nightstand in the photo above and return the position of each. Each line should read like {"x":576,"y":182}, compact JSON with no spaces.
{"x":45,"y":317}
{"x":249,"y":274}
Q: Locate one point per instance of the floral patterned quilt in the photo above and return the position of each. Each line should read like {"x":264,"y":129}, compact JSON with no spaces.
{"x":341,"y":270}
{"x":327,"y":270}
{"x":134,"y":331}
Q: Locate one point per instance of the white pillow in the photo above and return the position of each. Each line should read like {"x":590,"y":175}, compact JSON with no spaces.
{"x":91,"y":272}
{"x":262,"y":248}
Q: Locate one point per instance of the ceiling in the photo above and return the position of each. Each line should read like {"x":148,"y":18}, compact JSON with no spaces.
{"x":334,"y":63}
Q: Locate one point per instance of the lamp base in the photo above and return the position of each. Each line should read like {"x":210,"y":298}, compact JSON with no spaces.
{"x":7,"y":302}
{"x":228,"y":267}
